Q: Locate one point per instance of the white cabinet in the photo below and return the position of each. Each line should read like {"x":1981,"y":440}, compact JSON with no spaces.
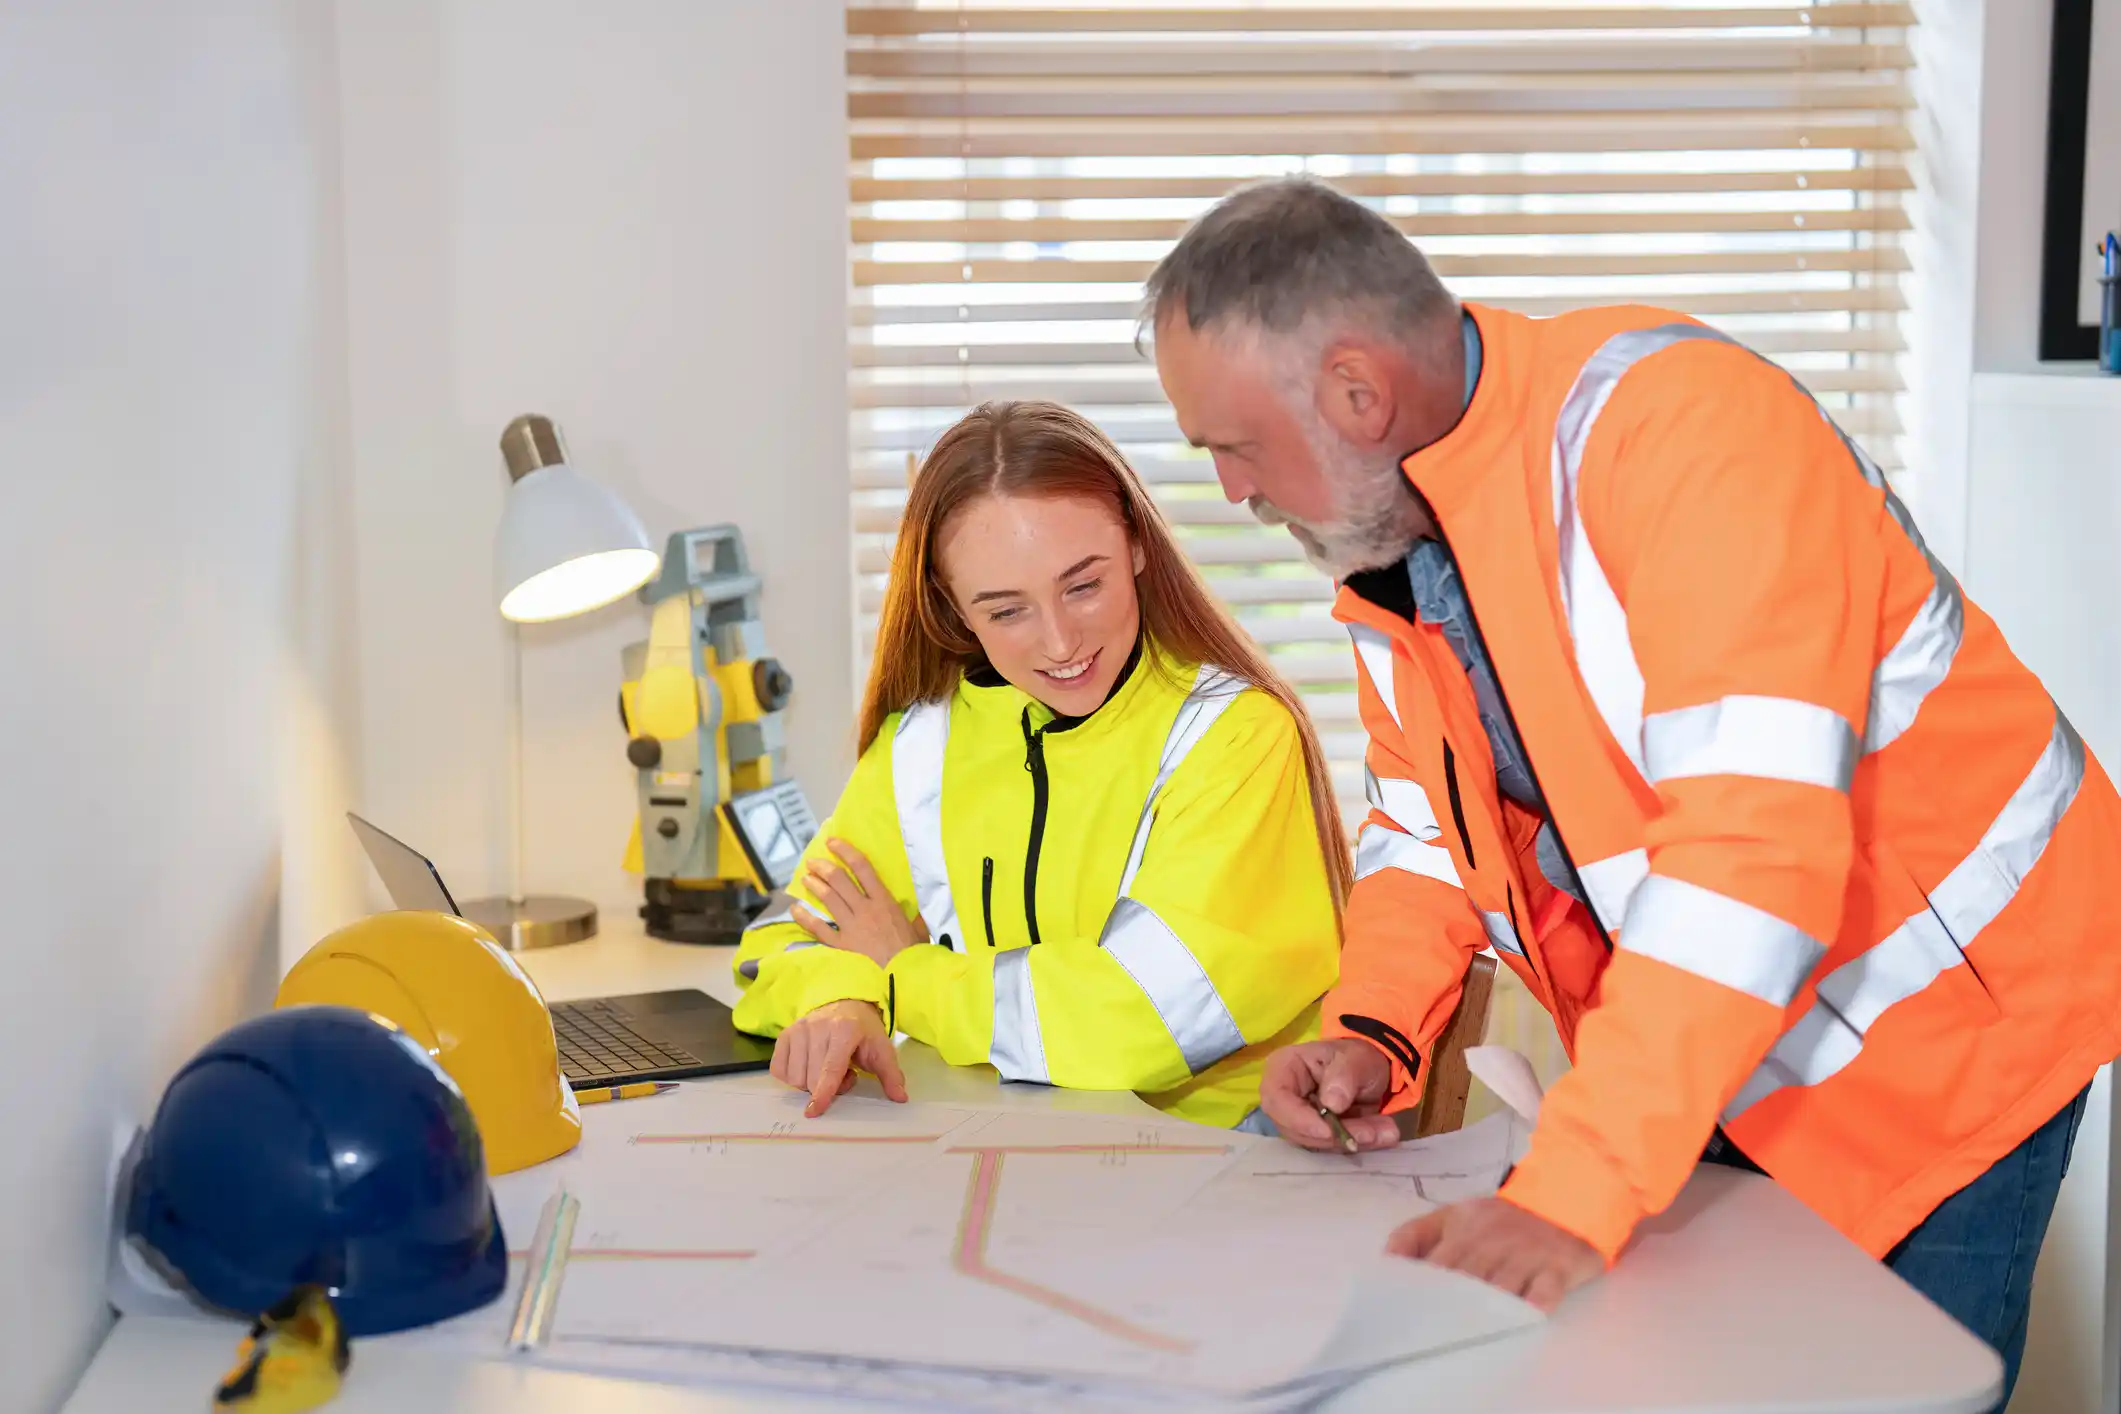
{"x":2043,"y":557}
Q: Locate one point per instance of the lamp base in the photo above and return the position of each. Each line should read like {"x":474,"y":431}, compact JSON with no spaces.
{"x":536,"y":921}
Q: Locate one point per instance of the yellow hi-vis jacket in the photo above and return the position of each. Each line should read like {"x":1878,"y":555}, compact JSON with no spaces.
{"x":1132,"y":900}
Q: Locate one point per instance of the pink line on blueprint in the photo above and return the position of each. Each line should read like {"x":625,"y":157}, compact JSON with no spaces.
{"x":784,"y":1138}
{"x":970,"y":1257}
{"x":646,"y":1254}
{"x":1089,"y":1149}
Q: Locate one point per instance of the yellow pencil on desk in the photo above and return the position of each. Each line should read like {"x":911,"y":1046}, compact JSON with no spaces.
{"x":623,"y":1092}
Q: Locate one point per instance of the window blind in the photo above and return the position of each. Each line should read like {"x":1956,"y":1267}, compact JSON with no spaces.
{"x":1017,"y":170}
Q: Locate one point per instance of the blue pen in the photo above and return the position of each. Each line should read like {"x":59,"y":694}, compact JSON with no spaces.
{"x":2110,"y":303}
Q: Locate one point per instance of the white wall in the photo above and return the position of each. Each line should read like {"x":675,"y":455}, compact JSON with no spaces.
{"x":1941,"y":320}
{"x":2013,"y":184}
{"x":2030,"y":518}
{"x":2045,"y":507}
{"x":158,"y":407}
{"x":324,"y":876}
{"x":633,"y":221}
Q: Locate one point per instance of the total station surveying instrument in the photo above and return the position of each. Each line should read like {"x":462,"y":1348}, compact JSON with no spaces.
{"x":718,"y":827}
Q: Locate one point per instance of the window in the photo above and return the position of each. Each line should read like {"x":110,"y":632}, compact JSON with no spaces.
{"x":1018,"y":169}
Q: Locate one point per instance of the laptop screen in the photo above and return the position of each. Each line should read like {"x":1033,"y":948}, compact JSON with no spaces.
{"x":411,"y":881}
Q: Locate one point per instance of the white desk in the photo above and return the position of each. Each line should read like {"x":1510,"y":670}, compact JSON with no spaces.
{"x":1736,"y":1301}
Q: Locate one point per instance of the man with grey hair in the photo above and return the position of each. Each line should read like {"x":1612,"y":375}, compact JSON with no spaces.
{"x":1670,"y":707}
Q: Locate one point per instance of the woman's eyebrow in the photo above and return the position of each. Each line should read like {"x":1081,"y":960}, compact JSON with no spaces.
{"x":1075,"y":569}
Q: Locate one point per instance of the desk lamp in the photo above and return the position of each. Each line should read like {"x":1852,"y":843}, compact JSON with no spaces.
{"x":565,"y":546}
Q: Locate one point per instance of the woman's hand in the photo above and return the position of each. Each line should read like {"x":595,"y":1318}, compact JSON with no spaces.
{"x":822,"y":1050}
{"x":865,"y":917}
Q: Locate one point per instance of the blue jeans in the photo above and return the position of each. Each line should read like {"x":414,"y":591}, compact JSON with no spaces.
{"x":1973,"y":1255}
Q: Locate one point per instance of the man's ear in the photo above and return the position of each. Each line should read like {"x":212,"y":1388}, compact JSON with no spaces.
{"x":1355,"y":394}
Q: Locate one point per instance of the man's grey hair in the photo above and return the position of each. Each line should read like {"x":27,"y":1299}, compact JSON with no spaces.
{"x":1290,"y":255}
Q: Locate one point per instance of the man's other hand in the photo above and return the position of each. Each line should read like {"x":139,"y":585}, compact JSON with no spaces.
{"x":1502,"y":1244}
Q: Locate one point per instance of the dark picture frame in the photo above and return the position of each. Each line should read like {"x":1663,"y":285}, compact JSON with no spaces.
{"x":2063,"y":334}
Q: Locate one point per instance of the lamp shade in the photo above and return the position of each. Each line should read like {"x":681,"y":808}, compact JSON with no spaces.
{"x":565,"y":544}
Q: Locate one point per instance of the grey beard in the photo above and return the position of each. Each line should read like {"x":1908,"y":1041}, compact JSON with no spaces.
{"x":1375,"y":536}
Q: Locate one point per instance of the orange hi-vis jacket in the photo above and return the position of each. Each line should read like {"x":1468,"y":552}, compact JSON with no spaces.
{"x":1845,"y":858}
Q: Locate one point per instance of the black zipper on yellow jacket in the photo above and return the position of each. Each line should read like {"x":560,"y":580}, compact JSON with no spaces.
{"x":986,"y":895}
{"x":1035,"y":763}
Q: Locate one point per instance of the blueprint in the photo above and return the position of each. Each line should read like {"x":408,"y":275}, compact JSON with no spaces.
{"x":977,"y":1258}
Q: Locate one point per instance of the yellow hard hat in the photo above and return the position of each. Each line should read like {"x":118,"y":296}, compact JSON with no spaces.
{"x":458,"y":993}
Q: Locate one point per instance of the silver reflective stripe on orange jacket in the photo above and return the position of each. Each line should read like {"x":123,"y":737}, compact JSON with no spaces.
{"x":1723,"y":939}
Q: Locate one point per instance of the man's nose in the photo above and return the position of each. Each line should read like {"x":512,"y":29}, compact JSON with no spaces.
{"x":1237,"y":485}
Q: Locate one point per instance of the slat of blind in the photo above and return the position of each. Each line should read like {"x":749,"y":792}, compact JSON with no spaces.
{"x":1142,"y":389}
{"x":1450,"y":267}
{"x":1443,"y":133}
{"x":1334,"y":709}
{"x":1544,"y":223}
{"x":889,"y":474}
{"x":870,"y":480}
{"x":883,"y":518}
{"x":877,"y":21}
{"x":1862,"y":299}
{"x":1249,"y":96}
{"x":1161,"y":474}
{"x":1884,"y":174}
{"x":1153,"y":426}
{"x":1369,"y":57}
{"x":1067,"y":355}
{"x":1266,"y":548}
{"x":1347,"y":745}
{"x":1311,"y":631}
{"x":1318,"y":667}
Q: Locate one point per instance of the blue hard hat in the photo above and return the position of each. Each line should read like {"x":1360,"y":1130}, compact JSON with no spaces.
{"x":320,"y":1144}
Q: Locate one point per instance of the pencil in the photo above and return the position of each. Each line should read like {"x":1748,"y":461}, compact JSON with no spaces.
{"x":623,"y":1092}
{"x":1340,"y":1131}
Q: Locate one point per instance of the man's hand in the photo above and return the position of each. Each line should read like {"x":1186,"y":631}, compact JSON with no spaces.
{"x":1503,"y":1245}
{"x":1349,"y":1077}
{"x":865,"y":917}
{"x":821,"y":1052}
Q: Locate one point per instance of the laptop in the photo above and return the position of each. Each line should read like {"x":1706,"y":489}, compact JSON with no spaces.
{"x":672,"y":1035}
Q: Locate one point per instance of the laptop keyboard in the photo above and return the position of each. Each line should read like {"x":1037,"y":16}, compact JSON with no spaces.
{"x":596,"y":1041}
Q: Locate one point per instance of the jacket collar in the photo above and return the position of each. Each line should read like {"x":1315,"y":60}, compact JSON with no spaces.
{"x":1449,"y":472}
{"x":987,"y":692}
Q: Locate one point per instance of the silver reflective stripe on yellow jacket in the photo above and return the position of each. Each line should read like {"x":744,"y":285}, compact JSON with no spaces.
{"x":1174,"y":981}
{"x":1213,"y":692}
{"x":749,"y":967}
{"x":917,"y":785}
{"x":1018,"y":1050}
{"x":1140,"y":942}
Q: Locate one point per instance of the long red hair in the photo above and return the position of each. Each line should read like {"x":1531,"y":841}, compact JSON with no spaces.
{"x":923,"y":645}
